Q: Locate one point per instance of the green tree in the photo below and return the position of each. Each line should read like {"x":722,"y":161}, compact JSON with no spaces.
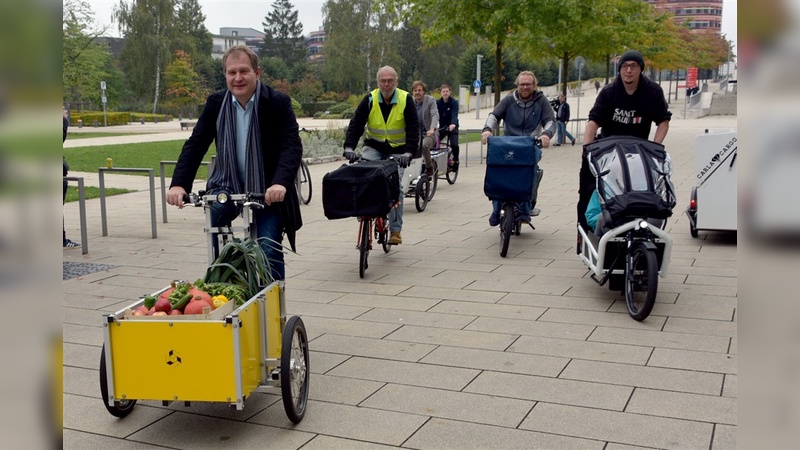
{"x":84,"y":60}
{"x":497,"y":22}
{"x":361,"y":38}
{"x":148,"y":29}
{"x":183,"y":92}
{"x":283,"y":35}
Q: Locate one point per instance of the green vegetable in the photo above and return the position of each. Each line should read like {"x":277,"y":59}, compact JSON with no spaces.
{"x":241,"y":263}
{"x":149,"y":301}
{"x":180,"y":304}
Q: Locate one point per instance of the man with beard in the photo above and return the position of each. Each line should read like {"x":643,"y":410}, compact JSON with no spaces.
{"x":526,"y":112}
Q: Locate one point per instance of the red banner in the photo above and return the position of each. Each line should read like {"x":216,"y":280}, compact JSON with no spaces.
{"x":691,"y":77}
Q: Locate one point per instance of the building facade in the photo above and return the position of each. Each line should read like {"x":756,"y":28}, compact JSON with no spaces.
{"x":230,"y":36}
{"x":315,"y":42}
{"x":700,"y":16}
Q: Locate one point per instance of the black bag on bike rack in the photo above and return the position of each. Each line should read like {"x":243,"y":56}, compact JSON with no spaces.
{"x":511,"y":168}
{"x":368,"y":188}
{"x":633,"y":178}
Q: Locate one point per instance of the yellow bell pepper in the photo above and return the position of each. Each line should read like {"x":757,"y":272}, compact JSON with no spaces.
{"x":219,"y":300}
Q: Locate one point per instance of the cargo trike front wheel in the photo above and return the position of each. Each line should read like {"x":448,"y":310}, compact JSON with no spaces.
{"x":294,"y":369}
{"x":120,"y":408}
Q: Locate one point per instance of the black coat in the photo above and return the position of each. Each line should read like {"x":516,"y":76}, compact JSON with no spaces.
{"x":281,"y":150}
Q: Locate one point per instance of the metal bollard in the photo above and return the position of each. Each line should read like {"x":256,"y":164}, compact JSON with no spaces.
{"x":155,"y":120}
{"x":80,"y":123}
{"x":142,"y":118}
{"x":95,"y":123}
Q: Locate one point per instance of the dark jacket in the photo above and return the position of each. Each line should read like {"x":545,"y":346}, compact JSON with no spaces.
{"x":523,"y":118}
{"x":356,"y":127}
{"x":618,"y":113}
{"x":448,"y":112}
{"x":281,"y":150}
{"x":562,"y":113}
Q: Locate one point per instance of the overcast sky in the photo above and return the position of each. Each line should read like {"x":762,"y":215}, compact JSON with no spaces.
{"x":250,"y":14}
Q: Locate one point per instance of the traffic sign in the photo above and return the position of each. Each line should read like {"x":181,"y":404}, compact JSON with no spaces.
{"x":476,"y":84}
{"x":103,"y":85}
{"x":579,"y":62}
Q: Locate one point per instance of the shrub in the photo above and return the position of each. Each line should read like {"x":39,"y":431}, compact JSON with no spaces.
{"x":111,"y":118}
{"x":312,"y":108}
{"x":137,"y":117}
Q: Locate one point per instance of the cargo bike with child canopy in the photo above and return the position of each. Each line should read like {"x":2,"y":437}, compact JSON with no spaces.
{"x":628,"y":247}
{"x":222,"y":352}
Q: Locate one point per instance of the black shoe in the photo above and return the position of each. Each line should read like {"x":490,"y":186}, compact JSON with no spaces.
{"x":455,"y":166}
{"x":71,"y":244}
{"x":573,"y":141}
{"x":556,"y":145}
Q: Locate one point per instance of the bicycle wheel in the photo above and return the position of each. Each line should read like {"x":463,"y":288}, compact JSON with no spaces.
{"x":421,"y":192}
{"x":120,"y":409}
{"x":294,"y":369}
{"x":641,"y":281}
{"x":363,"y":247}
{"x":382,"y":233}
{"x":435,"y":181}
{"x":450,"y":174}
{"x":506,"y":228}
{"x":303,"y":183}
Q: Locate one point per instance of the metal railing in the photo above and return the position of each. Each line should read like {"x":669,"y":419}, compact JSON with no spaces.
{"x":82,"y":208}
{"x":151,"y":174}
{"x":162,"y":166}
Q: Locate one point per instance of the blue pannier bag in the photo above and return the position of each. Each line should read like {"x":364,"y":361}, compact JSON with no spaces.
{"x":511,"y":168}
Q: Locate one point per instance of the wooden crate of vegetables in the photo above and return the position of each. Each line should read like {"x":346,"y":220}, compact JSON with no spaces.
{"x":208,"y":341}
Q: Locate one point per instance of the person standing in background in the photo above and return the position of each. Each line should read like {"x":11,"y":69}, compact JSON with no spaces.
{"x":448,"y":120}
{"x":68,"y":243}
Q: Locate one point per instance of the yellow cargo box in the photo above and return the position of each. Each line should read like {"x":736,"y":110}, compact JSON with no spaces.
{"x":218,"y":357}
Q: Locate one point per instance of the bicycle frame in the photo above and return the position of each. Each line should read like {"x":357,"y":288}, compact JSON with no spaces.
{"x":594,"y":258}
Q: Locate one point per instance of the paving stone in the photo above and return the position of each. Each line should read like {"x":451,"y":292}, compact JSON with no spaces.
{"x":424,"y":375}
{"x":628,"y":354}
{"x":83,"y":382}
{"x":464,"y":295}
{"x":679,"y":405}
{"x":660,"y":339}
{"x":82,"y":334}
{"x":318,"y":326}
{"x":321,"y":362}
{"x":497,"y":361}
{"x":191,"y":431}
{"x":555,"y":390}
{"x":700,"y":326}
{"x":589,"y":423}
{"x":388,"y":301}
{"x":601,"y":319}
{"x":455,"y":338}
{"x":531,"y":328}
{"x":88,"y":414}
{"x":724,"y":437}
{"x":302,"y":295}
{"x":450,"y":405}
{"x":556,"y":301}
{"x":321,"y":442}
{"x":80,"y":355}
{"x":363,"y":288}
{"x":417,"y":318}
{"x":79,"y":439}
{"x":496,"y":278}
{"x":644,"y":376}
{"x":439,"y":433}
{"x":324,"y":310}
{"x":375,"y":348}
{"x":347,"y":391}
{"x":488,"y":310}
{"x":344,"y":421}
{"x":729,"y":388}
{"x":690,"y":360}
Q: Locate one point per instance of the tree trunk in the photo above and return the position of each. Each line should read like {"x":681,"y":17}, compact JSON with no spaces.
{"x":498,"y":71}
{"x":564,"y":74}
{"x":158,"y":79}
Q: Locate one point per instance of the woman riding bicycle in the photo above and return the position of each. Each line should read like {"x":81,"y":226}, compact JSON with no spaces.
{"x":525,"y":111}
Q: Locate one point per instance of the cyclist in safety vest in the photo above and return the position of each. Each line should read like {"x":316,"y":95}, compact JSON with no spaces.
{"x":388,"y":119}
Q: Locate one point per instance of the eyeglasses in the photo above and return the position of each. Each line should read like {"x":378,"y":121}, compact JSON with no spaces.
{"x":387,"y":80}
{"x":629,"y":66}
{"x":525,"y":84}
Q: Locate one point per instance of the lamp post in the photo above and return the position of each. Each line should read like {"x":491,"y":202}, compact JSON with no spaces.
{"x":478,"y":88}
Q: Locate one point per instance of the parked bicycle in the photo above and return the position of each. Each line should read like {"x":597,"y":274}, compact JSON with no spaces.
{"x":442,"y":147}
{"x":303,"y":183}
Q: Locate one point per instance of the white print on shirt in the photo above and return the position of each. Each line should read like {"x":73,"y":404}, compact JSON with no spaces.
{"x":626,"y":117}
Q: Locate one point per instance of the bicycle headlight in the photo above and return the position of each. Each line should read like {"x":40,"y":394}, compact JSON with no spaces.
{"x":223,"y":197}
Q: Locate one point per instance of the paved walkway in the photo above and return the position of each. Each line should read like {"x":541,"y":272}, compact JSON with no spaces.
{"x":443,"y":344}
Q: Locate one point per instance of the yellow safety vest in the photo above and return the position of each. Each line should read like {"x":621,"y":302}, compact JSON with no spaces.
{"x":392,"y":131}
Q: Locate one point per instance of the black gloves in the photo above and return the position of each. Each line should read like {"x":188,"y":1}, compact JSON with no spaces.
{"x":351,"y":155}
{"x":404,"y":160}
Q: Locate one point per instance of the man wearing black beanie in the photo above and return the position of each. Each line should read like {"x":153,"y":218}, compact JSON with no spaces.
{"x":626,"y":107}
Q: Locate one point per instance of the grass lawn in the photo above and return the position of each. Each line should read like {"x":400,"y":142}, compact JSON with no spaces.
{"x":79,"y":135}
{"x":92,"y":192}
{"x":141,"y":156}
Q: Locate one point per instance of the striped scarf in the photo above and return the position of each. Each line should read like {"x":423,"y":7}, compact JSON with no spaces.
{"x":225,"y":174}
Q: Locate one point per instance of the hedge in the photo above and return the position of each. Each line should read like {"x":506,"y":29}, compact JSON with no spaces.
{"x":115,"y":118}
{"x":311,"y":108}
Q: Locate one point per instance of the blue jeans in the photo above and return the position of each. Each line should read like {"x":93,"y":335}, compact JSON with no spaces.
{"x":269,"y":225}
{"x":562,"y":131}
{"x":396,"y":214}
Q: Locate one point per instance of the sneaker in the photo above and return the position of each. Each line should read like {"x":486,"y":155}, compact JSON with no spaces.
{"x":556,"y":145}
{"x":71,"y":244}
{"x":525,"y":219}
{"x":494,"y":219}
{"x":395,"y":238}
{"x":573,"y":141}
{"x":535,"y":212}
{"x":455,"y":166}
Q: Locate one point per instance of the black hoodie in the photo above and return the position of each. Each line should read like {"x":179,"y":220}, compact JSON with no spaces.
{"x":630,"y":115}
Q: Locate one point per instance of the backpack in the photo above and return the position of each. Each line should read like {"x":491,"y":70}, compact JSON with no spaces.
{"x":633,"y":178}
